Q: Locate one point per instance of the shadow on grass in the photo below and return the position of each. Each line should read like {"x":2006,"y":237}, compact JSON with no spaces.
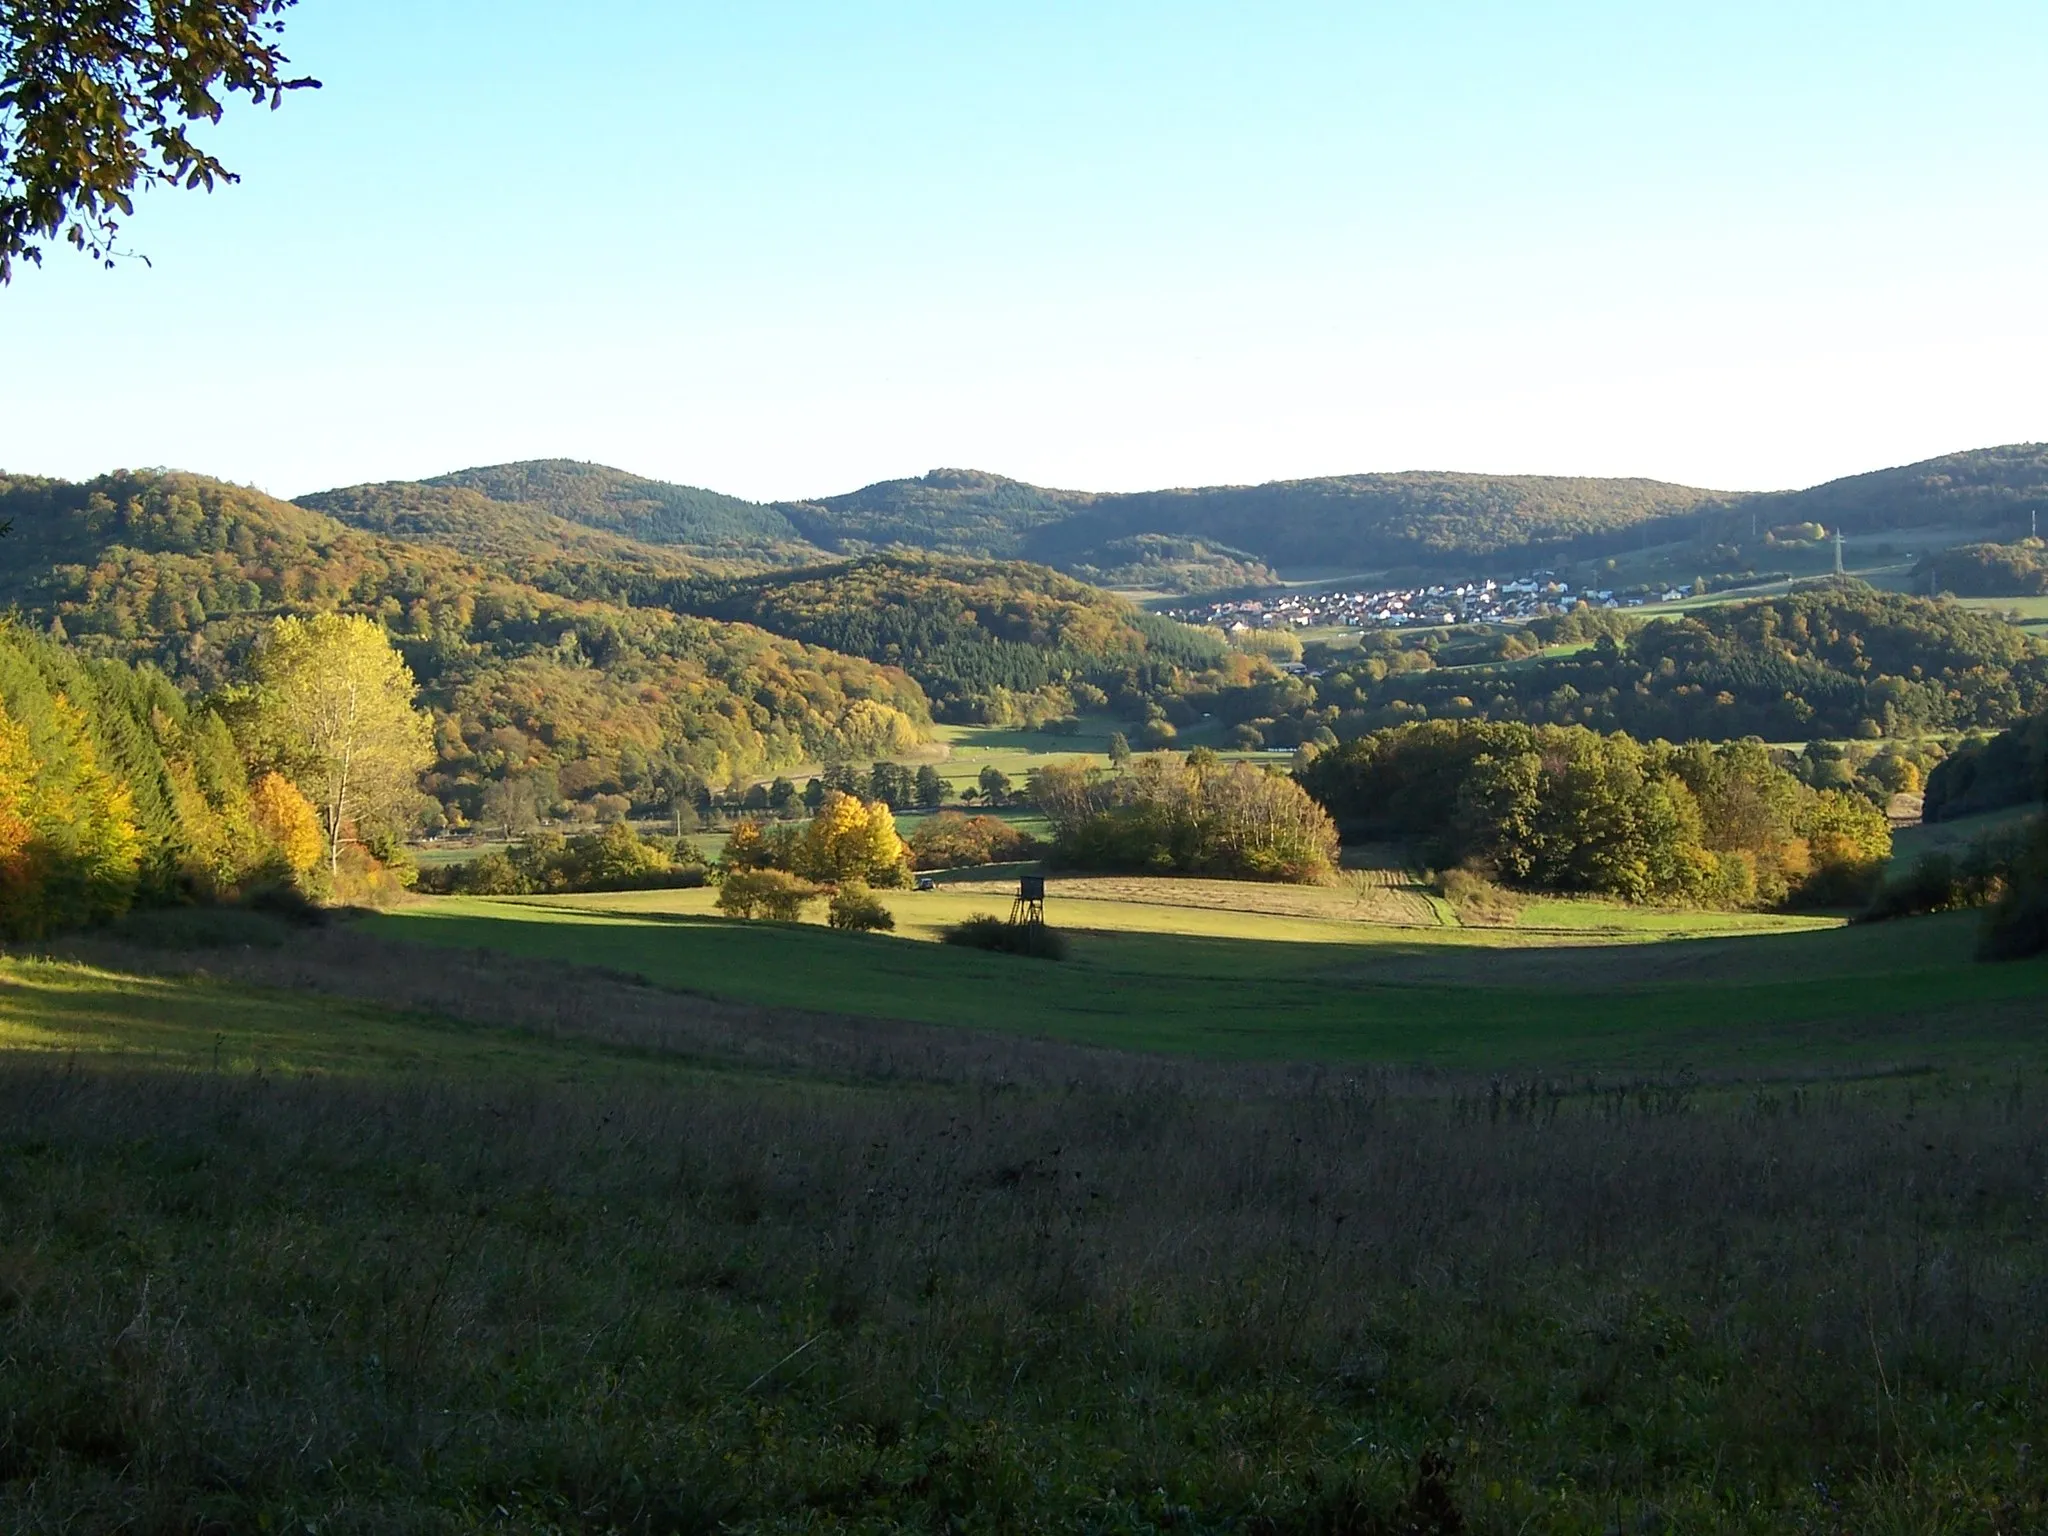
{"x":1769,"y":997}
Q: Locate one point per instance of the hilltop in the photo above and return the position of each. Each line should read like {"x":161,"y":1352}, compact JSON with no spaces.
{"x":565,"y":506}
{"x":1193,"y":539}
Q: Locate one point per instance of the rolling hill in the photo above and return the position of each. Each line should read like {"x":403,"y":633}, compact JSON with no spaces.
{"x":597,"y":697}
{"x":1202,"y":538}
{"x":970,"y":631}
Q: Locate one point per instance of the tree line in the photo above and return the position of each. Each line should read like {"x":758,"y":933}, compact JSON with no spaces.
{"x":2019,"y":569}
{"x":116,"y":788}
{"x":1570,"y":809}
{"x":1840,"y":661}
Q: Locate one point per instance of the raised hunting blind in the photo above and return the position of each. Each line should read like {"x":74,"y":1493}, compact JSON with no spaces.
{"x":1028,"y":910}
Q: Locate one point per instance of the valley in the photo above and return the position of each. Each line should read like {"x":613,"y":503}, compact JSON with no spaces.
{"x":1451,"y":1035}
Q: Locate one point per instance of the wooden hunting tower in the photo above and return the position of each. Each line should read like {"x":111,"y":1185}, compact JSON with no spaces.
{"x":1028,"y":910}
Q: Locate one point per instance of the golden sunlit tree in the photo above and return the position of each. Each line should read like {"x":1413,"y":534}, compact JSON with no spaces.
{"x":16,"y":767}
{"x":854,"y":839}
{"x":285,"y":817}
{"x":332,"y":710}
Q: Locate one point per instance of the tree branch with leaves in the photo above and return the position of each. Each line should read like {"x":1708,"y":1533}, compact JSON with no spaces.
{"x":98,"y":99}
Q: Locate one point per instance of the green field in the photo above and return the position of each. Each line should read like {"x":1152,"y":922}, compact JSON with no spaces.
{"x":1323,"y":975}
{"x":2030,"y":613}
{"x":499,"y":1216}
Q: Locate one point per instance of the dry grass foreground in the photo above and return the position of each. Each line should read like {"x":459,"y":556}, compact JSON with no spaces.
{"x":753,"y":1272}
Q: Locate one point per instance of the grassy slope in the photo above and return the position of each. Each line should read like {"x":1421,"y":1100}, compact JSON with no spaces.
{"x":330,"y":1266}
{"x":106,"y":1016}
{"x":1153,"y":976}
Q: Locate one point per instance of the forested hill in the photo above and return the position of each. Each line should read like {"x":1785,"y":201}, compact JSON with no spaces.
{"x":1989,"y":488}
{"x":1372,"y":522}
{"x":973,"y":632}
{"x":541,"y":546}
{"x":605,"y":698}
{"x":1208,"y":537}
{"x":564,"y":494}
{"x":948,"y":511}
{"x":1834,"y":662}
{"x":1358,"y":522}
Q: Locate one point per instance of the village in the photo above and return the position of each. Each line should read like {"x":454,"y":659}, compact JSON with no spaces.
{"x":1477,"y":602}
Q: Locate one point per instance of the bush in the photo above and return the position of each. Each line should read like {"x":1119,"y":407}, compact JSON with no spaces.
{"x":279,"y":895}
{"x":361,"y":879}
{"x":1476,"y":899}
{"x":999,"y":937}
{"x":766,"y":893}
{"x":1937,"y":882}
{"x":856,"y":909}
{"x":1951,"y":882}
{"x":2017,"y":926}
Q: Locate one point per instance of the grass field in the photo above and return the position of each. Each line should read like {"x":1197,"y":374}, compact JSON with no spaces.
{"x":1680,"y":1223}
{"x":1339,"y":975}
{"x":2030,"y":613}
{"x":311,"y":1231}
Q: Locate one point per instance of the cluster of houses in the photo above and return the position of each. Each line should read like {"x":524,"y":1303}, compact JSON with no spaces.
{"x":1474,"y":602}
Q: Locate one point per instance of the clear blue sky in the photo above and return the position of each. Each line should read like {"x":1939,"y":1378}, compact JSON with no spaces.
{"x":788,"y":249}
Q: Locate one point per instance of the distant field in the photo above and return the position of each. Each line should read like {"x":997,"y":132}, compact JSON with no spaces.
{"x":1015,"y":751}
{"x":1335,"y":975}
{"x":2032,"y":611}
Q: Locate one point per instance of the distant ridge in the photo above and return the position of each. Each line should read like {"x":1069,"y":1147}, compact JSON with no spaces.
{"x":1415,"y":521}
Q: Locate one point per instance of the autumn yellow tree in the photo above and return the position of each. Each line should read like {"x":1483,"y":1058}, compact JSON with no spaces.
{"x":69,"y":850}
{"x":284,"y":817}
{"x":853,"y":839}
{"x":332,"y":709}
{"x":16,"y":766}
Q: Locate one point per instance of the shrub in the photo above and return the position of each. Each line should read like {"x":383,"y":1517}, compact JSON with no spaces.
{"x":279,"y":895}
{"x":2017,"y":926}
{"x":361,"y":879}
{"x":1476,"y":899}
{"x":1937,"y":882}
{"x":992,"y":933}
{"x":856,"y":909}
{"x":1950,"y":882}
{"x":774,"y":894}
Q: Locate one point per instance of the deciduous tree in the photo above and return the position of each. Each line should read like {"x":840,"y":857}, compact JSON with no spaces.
{"x":332,"y":709}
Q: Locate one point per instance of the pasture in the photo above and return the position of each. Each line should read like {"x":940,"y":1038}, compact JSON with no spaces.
{"x":320,"y":1229}
{"x":1364,"y":972}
